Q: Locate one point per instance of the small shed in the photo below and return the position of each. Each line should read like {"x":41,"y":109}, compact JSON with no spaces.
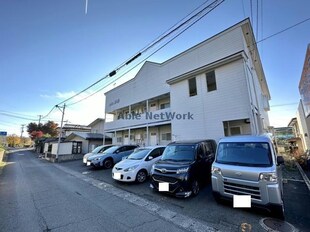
{"x":89,"y":140}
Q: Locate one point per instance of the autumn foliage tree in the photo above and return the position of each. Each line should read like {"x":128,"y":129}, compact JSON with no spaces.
{"x":13,"y":140}
{"x":49,"y":129}
{"x":36,"y":135}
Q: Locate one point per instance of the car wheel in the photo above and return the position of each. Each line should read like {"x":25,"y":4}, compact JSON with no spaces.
{"x":277,"y":211}
{"x":141,"y":176}
{"x":108,"y":163}
{"x":195,"y":188}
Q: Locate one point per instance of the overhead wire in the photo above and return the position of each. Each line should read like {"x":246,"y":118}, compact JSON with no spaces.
{"x":16,"y":116}
{"x":283,"y":30}
{"x":152,"y":44}
{"x":243,"y":9}
{"x":257,"y":10}
{"x":165,"y":44}
{"x":251,"y":10}
{"x":48,"y":112}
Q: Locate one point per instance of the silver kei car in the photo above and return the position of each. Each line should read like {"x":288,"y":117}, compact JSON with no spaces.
{"x":249,"y":165}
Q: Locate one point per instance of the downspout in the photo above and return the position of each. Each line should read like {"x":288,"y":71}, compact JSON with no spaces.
{"x":252,"y":116}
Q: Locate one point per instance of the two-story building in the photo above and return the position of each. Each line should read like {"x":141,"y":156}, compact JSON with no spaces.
{"x":211,"y":90}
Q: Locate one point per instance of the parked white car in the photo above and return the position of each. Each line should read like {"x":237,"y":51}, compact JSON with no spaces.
{"x":138,"y":164}
{"x":96,"y":151}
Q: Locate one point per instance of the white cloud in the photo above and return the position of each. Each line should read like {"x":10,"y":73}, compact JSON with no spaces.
{"x":65,"y":95}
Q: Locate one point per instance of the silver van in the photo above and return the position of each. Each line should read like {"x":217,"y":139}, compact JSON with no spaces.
{"x":248,"y":165}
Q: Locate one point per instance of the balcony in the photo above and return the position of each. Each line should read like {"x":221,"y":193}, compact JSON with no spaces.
{"x":129,"y":121}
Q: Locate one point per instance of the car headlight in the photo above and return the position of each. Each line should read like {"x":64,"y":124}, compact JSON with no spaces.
{"x":182,"y":170}
{"x":268,"y":176}
{"x":130,"y":168}
{"x":215,"y":170}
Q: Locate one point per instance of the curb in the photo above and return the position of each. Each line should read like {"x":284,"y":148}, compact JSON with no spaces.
{"x":182,"y":221}
{"x":303,"y":174}
{"x":4,"y":159}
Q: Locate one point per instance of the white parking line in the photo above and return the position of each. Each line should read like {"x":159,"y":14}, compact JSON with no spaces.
{"x":303,"y":174}
{"x":187,"y":223}
{"x":87,"y":172}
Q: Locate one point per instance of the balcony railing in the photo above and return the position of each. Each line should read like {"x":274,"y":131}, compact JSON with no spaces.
{"x":133,"y":120}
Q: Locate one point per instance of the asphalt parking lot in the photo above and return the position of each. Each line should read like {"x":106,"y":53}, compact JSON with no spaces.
{"x":203,"y":207}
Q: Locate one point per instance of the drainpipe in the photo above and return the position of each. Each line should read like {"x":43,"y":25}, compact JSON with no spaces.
{"x":252,"y":116}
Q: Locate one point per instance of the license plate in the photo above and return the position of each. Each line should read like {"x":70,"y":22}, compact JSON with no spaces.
{"x":88,"y":163}
{"x":117,"y":176}
{"x":163,"y":187}
{"x":242,"y":201}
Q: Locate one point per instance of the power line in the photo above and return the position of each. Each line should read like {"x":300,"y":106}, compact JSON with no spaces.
{"x":14,"y":113}
{"x":242,"y":1}
{"x":16,"y":116}
{"x":251,"y":6}
{"x":286,"y":29}
{"x":257,"y":19}
{"x":200,"y":14}
{"x":285,"y":104}
{"x":173,"y":29}
{"x":48,"y":113}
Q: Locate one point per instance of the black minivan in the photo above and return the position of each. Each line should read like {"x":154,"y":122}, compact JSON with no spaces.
{"x":183,"y":166}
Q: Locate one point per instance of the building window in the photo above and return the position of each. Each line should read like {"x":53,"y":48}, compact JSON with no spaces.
{"x":211,"y":81}
{"x":166,"y":136}
{"x":49,"y":149}
{"x":235,"y":130}
{"x":164,"y":106}
{"x":119,"y":139}
{"x":76,"y":147}
{"x":192,"y":87}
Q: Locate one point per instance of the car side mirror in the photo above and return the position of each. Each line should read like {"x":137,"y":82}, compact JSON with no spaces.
{"x":116,"y":152}
{"x":280,"y":160}
{"x":150,"y":158}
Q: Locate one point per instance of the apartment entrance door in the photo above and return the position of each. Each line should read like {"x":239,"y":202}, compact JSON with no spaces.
{"x":153,"y":139}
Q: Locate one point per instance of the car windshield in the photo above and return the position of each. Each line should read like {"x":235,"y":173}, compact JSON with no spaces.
{"x":179,"y":153}
{"x":104,"y":148}
{"x":253,"y":154}
{"x":97,"y":149}
{"x":111,"y":149}
{"x":139,"y":154}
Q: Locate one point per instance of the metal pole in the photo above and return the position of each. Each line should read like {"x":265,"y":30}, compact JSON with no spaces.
{"x":60,"y":132}
{"x":40,"y":116}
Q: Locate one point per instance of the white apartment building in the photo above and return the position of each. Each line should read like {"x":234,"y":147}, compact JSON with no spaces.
{"x":214,"y":89}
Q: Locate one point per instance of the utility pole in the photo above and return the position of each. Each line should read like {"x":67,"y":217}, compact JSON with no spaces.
{"x":62,"y":109}
{"x":22,"y":131}
{"x":40,"y":116}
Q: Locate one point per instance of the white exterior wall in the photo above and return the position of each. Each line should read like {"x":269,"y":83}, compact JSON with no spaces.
{"x":238,"y":90}
{"x":257,"y":98}
{"x":65,"y":148}
{"x":229,"y":102}
{"x":151,"y":79}
{"x":45,"y":147}
{"x":163,"y":130}
{"x":54,"y":148}
{"x":303,"y":127}
{"x":98,"y":127}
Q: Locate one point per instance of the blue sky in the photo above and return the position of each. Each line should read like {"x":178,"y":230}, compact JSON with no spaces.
{"x":52,"y":49}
